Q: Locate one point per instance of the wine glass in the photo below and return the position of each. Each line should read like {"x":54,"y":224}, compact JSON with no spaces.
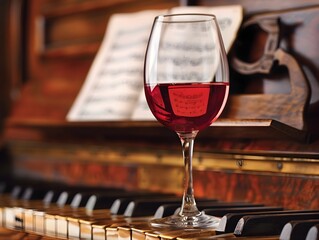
{"x":186,"y":84}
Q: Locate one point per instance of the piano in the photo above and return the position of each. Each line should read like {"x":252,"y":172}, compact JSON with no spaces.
{"x":258,"y":165}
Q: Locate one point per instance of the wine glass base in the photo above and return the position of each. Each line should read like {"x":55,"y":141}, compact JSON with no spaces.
{"x":200,"y":221}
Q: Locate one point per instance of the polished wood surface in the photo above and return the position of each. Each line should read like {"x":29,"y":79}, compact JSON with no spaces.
{"x":53,"y":51}
{"x":266,"y":141}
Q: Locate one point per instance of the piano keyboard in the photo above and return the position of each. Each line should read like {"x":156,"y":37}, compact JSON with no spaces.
{"x":86,"y":213}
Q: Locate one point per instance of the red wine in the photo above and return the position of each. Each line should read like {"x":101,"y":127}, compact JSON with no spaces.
{"x":186,"y":107}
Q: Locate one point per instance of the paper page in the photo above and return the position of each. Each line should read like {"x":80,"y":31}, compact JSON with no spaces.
{"x":142,"y":112}
{"x":229,"y":19}
{"x":115,"y":80}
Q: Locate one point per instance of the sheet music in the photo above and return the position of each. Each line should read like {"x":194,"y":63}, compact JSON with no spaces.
{"x":115,"y":80}
{"x":113,"y":89}
{"x":229,"y":19}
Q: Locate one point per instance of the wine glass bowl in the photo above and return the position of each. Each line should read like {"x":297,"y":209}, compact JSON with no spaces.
{"x":186,"y":83}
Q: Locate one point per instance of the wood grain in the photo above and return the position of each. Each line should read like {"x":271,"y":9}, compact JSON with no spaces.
{"x":267,"y":115}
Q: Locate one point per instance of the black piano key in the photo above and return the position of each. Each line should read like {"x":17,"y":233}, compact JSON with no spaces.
{"x":296,"y":230}
{"x":270,"y":224}
{"x":218,"y":212}
{"x":137,"y":210}
{"x":48,"y":193}
{"x":313,"y":233}
{"x":31,"y":193}
{"x":65,"y":195}
{"x":71,"y":194}
{"x":147,"y":207}
{"x":83,"y":193}
{"x":12,"y":189}
{"x":100,"y":201}
{"x":95,"y":199}
{"x":62,"y":199}
{"x":221,"y":205}
{"x":26,"y":190}
{"x":118,"y":201}
{"x":166,"y":210}
{"x":230,"y":220}
{"x":50,"y":197}
{"x":16,"y":192}
{"x":3,"y":187}
{"x":79,"y":200}
{"x":170,"y":209}
{"x":119,"y":205}
{"x":73,"y":198}
{"x":211,"y":207}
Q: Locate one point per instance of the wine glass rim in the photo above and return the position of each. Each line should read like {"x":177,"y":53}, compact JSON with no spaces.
{"x":165,"y":17}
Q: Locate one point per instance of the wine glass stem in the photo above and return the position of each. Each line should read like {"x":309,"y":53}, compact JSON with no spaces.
{"x":188,"y":208}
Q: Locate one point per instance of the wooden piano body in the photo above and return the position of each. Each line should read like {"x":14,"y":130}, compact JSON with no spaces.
{"x":264,"y":149}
